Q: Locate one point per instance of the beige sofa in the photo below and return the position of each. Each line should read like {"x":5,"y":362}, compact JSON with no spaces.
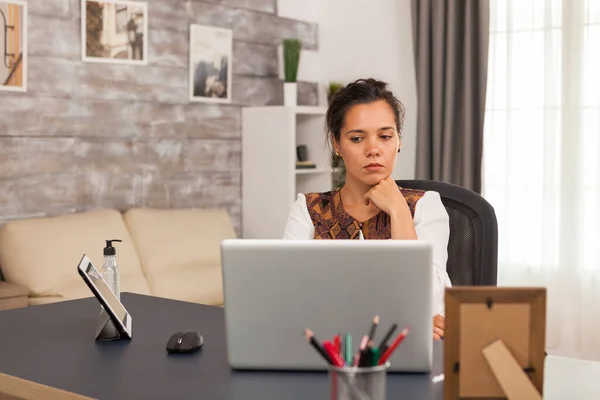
{"x":166,"y":253}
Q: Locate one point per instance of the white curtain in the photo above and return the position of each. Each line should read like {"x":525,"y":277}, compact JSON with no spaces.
{"x":542,"y":160}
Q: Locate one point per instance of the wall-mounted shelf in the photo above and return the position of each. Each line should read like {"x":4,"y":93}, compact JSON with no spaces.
{"x":307,"y":110}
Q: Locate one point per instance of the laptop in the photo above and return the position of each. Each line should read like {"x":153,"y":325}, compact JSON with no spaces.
{"x":275,"y":289}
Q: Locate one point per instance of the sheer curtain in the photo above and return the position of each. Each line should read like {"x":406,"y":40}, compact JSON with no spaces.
{"x":542,"y":159}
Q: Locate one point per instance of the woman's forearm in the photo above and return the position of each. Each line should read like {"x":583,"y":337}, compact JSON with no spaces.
{"x":402,"y":225}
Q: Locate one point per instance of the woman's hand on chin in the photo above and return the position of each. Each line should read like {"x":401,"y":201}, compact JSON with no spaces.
{"x":387,"y":197}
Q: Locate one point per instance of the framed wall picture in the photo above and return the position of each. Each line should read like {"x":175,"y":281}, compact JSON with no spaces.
{"x":13,"y":46}
{"x":210,"y":64}
{"x":494,"y":342}
{"x":114,"y":31}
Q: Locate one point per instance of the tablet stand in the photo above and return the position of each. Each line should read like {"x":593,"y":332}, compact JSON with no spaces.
{"x":106,"y":330}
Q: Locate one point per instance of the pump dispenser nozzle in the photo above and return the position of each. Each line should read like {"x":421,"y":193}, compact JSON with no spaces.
{"x":109,"y":250}
{"x":110,"y":271}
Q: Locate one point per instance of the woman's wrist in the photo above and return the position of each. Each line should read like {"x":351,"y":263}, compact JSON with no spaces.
{"x":402,"y":225}
{"x":400,"y":213}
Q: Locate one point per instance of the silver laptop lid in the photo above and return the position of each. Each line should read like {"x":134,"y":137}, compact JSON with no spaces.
{"x":274,"y":289}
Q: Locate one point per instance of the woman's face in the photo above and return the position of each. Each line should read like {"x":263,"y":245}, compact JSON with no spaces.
{"x":369,"y":142}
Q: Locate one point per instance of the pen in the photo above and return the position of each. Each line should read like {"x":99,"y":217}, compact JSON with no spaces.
{"x":310,"y":336}
{"x":348,"y":348}
{"x":363,"y":345}
{"x":373,"y":327}
{"x":338,"y":350}
{"x":333,"y":354}
{"x":388,"y":335}
{"x":388,"y":352}
{"x":366,"y":358}
{"x":375,"y":357}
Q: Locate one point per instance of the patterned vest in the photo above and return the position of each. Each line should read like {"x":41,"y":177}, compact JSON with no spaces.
{"x":332,"y":222}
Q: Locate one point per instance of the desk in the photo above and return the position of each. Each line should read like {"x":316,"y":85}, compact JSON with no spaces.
{"x":54,"y":345}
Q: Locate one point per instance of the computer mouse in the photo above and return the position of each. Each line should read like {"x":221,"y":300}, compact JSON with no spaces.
{"x":185,"y":342}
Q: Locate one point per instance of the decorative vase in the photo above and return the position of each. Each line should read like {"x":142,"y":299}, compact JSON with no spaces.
{"x":290,"y":93}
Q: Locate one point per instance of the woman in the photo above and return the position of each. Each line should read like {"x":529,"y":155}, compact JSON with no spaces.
{"x":364,"y":124}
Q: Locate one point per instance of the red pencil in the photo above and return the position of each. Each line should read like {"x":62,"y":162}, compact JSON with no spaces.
{"x":384,"y":357}
{"x":337,"y":343}
{"x":333,"y":354}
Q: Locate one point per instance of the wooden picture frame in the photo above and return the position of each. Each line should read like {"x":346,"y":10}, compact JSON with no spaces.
{"x":13,"y":46}
{"x":509,"y":323}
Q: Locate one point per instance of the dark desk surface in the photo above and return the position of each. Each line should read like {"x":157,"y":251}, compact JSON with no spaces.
{"x":54,"y":345}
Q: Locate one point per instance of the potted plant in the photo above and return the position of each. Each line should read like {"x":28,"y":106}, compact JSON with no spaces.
{"x":332,"y":88}
{"x":291,"y":59}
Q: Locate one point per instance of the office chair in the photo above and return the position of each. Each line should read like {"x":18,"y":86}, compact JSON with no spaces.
{"x":473,"y":243}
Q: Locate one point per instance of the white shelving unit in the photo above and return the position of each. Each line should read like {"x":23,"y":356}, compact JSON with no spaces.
{"x":310,"y":171}
{"x":270,"y":180}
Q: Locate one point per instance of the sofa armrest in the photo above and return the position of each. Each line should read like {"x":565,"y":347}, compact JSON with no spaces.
{"x":8,"y":289}
{"x":12,"y":296}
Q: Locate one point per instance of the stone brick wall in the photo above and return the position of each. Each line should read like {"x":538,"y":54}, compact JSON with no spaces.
{"x":89,"y":135}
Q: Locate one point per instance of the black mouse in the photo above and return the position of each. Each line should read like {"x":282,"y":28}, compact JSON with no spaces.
{"x":185,"y":342}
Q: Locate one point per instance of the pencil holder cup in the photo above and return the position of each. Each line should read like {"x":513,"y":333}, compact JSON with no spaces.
{"x":352,"y":383}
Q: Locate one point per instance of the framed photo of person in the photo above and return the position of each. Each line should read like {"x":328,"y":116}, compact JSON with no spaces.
{"x":114,"y":31}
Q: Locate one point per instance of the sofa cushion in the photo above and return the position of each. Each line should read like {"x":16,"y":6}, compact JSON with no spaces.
{"x":180,"y":251}
{"x":74,"y":290}
{"x":42,"y":253}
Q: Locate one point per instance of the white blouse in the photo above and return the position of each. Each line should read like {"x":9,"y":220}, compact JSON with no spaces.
{"x":431,"y":224}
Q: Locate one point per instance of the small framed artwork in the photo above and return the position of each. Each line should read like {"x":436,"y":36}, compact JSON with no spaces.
{"x":13,"y":46}
{"x":210,"y":64}
{"x":494,"y":343}
{"x":114,"y":31}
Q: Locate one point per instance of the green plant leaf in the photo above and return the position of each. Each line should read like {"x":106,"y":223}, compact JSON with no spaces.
{"x":291,"y":58}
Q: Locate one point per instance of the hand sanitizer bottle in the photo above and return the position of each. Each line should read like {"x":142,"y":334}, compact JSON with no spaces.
{"x":110,"y":271}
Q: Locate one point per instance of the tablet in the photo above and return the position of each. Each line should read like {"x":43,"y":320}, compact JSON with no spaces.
{"x":112,"y":305}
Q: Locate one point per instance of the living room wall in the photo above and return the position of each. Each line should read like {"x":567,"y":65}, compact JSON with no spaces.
{"x":88,"y":135}
{"x":385,"y":53}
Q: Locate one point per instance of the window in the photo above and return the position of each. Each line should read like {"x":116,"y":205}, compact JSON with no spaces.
{"x":542,"y":157}
{"x":542,"y":127}
{"x":121,"y":18}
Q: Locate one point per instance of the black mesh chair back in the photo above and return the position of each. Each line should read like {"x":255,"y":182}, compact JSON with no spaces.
{"x":473,"y":243}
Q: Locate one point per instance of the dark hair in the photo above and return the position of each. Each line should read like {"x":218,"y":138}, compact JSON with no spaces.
{"x":362,"y":91}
